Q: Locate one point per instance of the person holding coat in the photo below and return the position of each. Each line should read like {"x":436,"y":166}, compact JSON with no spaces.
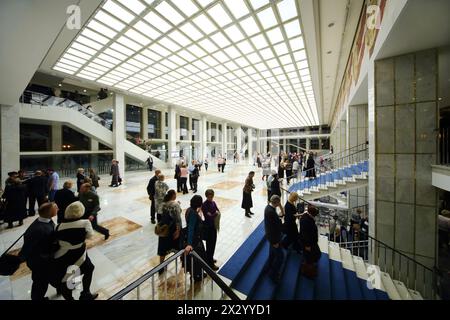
{"x":247,"y":202}
{"x":15,"y":195}
{"x":309,"y":238}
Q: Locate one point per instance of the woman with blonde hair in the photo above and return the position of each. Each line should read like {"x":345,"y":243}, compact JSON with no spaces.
{"x":290,"y":222}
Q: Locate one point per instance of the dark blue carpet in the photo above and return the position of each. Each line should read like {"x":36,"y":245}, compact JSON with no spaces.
{"x":237,"y":262}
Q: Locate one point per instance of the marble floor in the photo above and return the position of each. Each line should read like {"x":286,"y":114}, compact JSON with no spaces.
{"x":131,"y":250}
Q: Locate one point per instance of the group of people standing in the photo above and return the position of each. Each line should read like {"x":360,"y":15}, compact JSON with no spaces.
{"x":202,"y":220}
{"x":51,"y":251}
{"x":21,"y":189}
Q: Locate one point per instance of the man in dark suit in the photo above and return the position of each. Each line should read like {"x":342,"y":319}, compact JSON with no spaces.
{"x":37,"y":190}
{"x":273,"y":229}
{"x":309,"y":238}
{"x":63,"y":198}
{"x":151,"y":194}
{"x":38,"y":249}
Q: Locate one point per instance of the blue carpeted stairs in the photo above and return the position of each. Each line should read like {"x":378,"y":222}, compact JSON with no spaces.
{"x":334,"y":282}
{"x":331,"y":176}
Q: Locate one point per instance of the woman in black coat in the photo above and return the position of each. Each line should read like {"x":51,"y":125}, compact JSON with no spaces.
{"x":310,"y":164}
{"x":290,"y":223}
{"x":16,"y":202}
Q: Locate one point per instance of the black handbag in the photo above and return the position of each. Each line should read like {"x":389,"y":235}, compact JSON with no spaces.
{"x":9,"y":263}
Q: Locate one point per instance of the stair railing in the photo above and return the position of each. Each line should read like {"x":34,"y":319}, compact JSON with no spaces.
{"x":320,"y":176}
{"x":35,"y":98}
{"x":153,"y":285}
{"x":346,"y":152}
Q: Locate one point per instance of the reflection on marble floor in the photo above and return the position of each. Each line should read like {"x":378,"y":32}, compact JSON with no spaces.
{"x":132,"y":248}
{"x":226,"y":185}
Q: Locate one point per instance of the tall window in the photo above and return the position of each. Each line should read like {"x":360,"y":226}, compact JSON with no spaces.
{"x":154,"y":124}
{"x":213,"y":132}
{"x":35,"y":137}
{"x":195,"y":130}
{"x":73,"y":140}
{"x":184,"y":124}
{"x":133,"y":122}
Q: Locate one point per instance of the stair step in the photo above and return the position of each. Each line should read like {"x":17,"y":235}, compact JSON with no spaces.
{"x":323,"y":282}
{"x":337,"y":276}
{"x":361,"y":272}
{"x":243,"y":254}
{"x":415,"y":295}
{"x":288,"y":283}
{"x":391,"y":290}
{"x":351,"y":278}
{"x":305,"y":289}
{"x":402,"y":290}
{"x":250,"y":274}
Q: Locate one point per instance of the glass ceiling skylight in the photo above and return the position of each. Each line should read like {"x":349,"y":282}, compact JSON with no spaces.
{"x":241,"y":60}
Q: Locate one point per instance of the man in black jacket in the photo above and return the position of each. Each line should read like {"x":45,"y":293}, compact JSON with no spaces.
{"x":309,"y":238}
{"x":151,"y":194}
{"x":63,"y":198}
{"x":37,"y":190}
{"x":38,"y":249}
{"x":273,"y":229}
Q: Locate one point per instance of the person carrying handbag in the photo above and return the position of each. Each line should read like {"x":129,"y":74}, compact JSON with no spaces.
{"x":170,"y":226}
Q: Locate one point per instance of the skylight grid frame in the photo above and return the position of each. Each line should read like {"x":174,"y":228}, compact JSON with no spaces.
{"x":246,"y":91}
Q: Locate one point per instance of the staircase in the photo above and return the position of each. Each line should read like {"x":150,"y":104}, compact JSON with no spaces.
{"x":77,"y":117}
{"x":341,"y":275}
{"x":332,"y":181}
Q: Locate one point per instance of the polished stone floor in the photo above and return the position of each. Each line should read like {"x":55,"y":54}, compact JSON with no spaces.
{"x":131,"y":250}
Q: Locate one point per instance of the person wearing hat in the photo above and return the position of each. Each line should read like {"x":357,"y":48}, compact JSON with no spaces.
{"x":38,"y":248}
{"x":273,"y":230}
{"x":309,"y":238}
{"x":71,"y":256}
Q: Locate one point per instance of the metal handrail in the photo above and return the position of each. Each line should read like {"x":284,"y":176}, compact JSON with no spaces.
{"x":137,"y":283}
{"x":63,"y":103}
{"x":331,"y":155}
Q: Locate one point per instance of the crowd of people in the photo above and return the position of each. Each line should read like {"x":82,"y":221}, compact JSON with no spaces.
{"x":52,"y":251}
{"x":289,"y":166}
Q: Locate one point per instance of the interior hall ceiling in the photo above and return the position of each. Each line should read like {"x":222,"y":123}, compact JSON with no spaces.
{"x":241,"y":60}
